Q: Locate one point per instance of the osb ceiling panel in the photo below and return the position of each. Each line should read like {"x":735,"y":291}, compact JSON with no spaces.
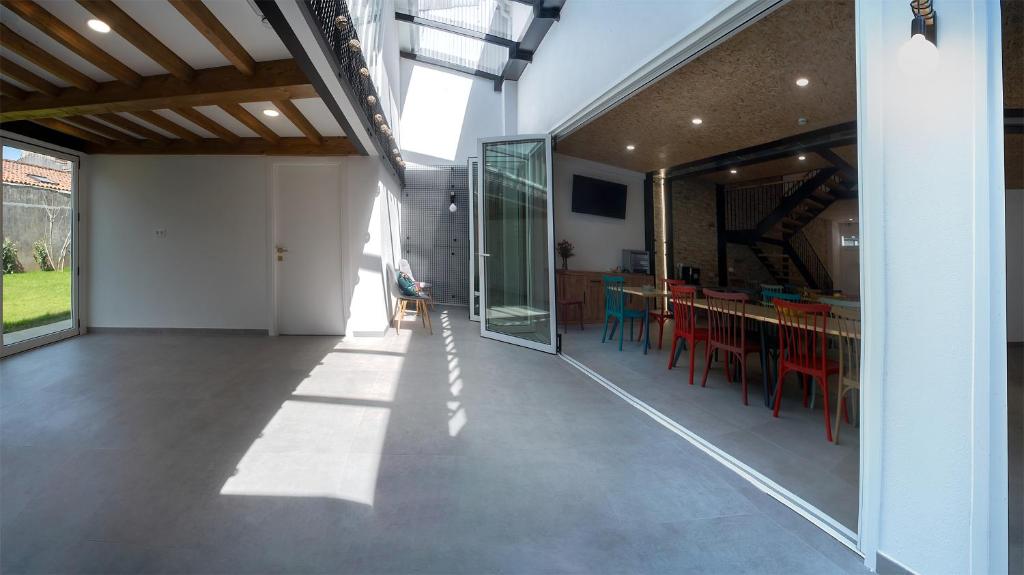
{"x":780,"y":167}
{"x":744,"y":90}
{"x":1013,"y":53}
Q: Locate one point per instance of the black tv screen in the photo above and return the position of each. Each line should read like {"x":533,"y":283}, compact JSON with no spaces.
{"x":598,"y":197}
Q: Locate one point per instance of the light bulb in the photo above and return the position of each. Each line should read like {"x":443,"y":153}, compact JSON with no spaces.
{"x":99,"y":26}
{"x":918,"y":57}
{"x":452,"y":207}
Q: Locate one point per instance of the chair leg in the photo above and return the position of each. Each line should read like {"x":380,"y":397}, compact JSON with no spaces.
{"x":400,"y":315}
{"x":615,"y":326}
{"x":622,"y":333}
{"x":778,"y":394}
{"x":693,"y":349}
{"x":421,"y":310}
{"x":728,"y":367}
{"x":430,"y":325}
{"x":579,"y":310}
{"x":630,"y":329}
{"x":842,"y":404}
{"x":394,"y":317}
{"x":672,"y":355}
{"x":743,"y":377}
{"x":707,"y":367}
{"x":604,"y":334}
{"x":803,"y":382}
{"x":824,"y":401}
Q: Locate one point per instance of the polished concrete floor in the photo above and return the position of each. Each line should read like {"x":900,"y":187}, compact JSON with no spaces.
{"x":408,"y":454}
{"x":792,"y":450}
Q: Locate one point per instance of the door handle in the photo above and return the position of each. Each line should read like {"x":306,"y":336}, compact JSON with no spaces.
{"x":485,"y":255}
{"x":281,"y":250}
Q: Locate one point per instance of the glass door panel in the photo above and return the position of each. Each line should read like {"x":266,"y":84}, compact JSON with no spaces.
{"x":38,"y":246}
{"x":474,"y":238}
{"x":517,"y":269}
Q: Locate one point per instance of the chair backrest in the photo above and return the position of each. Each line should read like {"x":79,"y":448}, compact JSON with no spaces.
{"x":846,"y":320}
{"x":802,"y":337}
{"x":614,"y":297}
{"x":404,"y":267}
{"x":768,"y":296}
{"x":847,"y":303}
{"x":772,"y":287}
{"x":683,"y":310}
{"x":727,"y":318}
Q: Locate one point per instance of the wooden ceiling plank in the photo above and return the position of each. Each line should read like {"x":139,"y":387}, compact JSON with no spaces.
{"x":299,"y":119}
{"x":101,"y":129}
{"x":165,"y":124}
{"x":280,"y":79}
{"x":199,"y":119}
{"x":54,"y":27}
{"x":130,"y":126}
{"x":210,"y":27}
{"x":331,"y":146}
{"x":8,"y":68}
{"x":10,"y":90}
{"x":133,"y":32}
{"x":71,"y":130}
{"x":12,"y":41}
{"x":251,"y":122}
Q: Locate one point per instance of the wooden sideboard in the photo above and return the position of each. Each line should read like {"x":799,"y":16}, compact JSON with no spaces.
{"x":586,"y":286}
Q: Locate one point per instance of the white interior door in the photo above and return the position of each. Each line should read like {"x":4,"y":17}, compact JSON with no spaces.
{"x":517,"y":273}
{"x":307,"y":258}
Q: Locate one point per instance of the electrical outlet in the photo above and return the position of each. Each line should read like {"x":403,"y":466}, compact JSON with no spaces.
{"x":160,"y":233}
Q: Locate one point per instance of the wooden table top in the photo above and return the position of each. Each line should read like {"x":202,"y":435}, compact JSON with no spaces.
{"x":754,"y":309}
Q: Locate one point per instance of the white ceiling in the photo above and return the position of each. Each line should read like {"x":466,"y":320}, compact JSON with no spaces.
{"x":163,"y":21}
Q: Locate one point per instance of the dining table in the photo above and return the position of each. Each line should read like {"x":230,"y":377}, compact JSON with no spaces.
{"x":763,"y":315}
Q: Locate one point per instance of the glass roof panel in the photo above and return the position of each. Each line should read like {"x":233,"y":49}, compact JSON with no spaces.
{"x":505,"y":18}
{"x":452,"y":48}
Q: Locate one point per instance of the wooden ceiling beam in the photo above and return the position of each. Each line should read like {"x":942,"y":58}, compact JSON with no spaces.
{"x":10,"y":90}
{"x":133,"y":127}
{"x":163,"y":123}
{"x":299,"y":119}
{"x":133,"y":32}
{"x":210,"y":27}
{"x":101,"y":129}
{"x":71,"y":130}
{"x":277,"y":80}
{"x":251,"y":122}
{"x":203,"y":121}
{"x":54,"y":27}
{"x":245,"y":146}
{"x":10,"y":40}
{"x":12,"y":70}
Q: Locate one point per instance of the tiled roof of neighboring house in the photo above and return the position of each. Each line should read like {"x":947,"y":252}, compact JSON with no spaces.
{"x":28,"y":175}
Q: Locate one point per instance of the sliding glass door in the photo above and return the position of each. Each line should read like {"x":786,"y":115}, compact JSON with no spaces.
{"x":474,"y":238}
{"x":39,"y":230}
{"x":517,"y":276}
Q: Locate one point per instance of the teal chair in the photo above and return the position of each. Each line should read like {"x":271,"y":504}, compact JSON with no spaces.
{"x":768,"y":295}
{"x":615,"y":307}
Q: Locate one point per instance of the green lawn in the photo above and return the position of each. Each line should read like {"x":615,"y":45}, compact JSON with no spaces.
{"x":36,"y":298}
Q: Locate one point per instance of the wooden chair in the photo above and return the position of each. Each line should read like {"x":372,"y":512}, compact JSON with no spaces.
{"x":847,"y":323}
{"x":615,"y":308}
{"x":685,"y":325}
{"x":424,"y":287}
{"x":421,"y":310}
{"x":563,"y":310}
{"x":727,"y":332}
{"x":803,"y":348}
{"x":662,"y":316}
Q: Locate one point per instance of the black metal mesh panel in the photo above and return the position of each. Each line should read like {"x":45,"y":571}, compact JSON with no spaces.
{"x":434,"y":240}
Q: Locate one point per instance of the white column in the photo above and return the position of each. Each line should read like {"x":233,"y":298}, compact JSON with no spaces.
{"x":934,"y":451}
{"x":510,"y":108}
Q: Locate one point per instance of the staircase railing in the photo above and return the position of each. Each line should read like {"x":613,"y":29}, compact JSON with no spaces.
{"x":807,"y":262}
{"x":746,"y":206}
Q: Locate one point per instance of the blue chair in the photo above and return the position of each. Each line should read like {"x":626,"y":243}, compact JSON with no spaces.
{"x":615,"y":307}
{"x":768,"y":295}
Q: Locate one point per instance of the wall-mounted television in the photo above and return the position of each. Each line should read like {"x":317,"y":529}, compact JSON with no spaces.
{"x":598,"y":197}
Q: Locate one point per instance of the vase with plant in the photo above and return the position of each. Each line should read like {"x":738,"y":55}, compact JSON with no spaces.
{"x":565,"y":251}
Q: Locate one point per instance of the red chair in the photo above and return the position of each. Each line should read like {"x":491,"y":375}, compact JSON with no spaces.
{"x":727,"y":332}
{"x":803,"y":349}
{"x":685,"y":324}
{"x":662,"y":316}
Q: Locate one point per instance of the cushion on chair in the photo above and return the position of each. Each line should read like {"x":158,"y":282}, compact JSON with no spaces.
{"x":407,"y":285}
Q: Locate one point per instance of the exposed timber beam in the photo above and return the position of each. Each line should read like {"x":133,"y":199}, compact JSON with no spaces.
{"x":10,"y":40}
{"x":830,"y":137}
{"x":72,"y":130}
{"x":10,"y":69}
{"x":126,"y":27}
{"x":12,"y":91}
{"x":205,"y":122}
{"x":101,"y":129}
{"x":245,"y":146}
{"x":277,"y":80}
{"x":252,"y":122}
{"x":151,"y":117}
{"x":299,"y":120}
{"x":210,"y":27}
{"x":55,"y":28}
{"x":133,"y":127}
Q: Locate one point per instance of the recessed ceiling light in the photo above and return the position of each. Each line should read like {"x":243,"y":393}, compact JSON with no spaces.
{"x":99,"y":26}
{"x":697,"y":121}
{"x":732,"y":171}
{"x":802,"y":82}
{"x":630,"y":147}
{"x":850,"y":220}
{"x":271,"y":113}
{"x":801,"y":158}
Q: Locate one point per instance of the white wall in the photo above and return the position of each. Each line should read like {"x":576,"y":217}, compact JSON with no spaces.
{"x":444,"y":113}
{"x":210,"y":271}
{"x":599,"y":241}
{"x":595,"y":45}
{"x":934,"y":373}
{"x":1015,"y":265}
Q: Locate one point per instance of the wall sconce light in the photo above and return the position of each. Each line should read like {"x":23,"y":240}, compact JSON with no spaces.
{"x":452,"y":207}
{"x":919,"y":56}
